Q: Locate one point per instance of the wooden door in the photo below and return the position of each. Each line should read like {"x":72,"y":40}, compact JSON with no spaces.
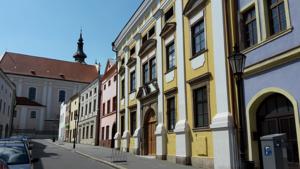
{"x":150,"y":139}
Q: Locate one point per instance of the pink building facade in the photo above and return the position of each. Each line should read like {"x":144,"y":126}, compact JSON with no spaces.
{"x":108,"y":105}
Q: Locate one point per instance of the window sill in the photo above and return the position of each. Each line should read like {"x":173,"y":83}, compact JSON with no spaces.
{"x":267,"y":40}
{"x":170,"y":70}
{"x":201,"y":129}
{"x":198,"y":54}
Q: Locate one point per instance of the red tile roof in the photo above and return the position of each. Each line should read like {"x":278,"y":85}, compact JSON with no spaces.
{"x":20,"y":64}
{"x":24,"y":101}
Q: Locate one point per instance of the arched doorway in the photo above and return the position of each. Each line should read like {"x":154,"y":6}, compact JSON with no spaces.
{"x":275,"y":114}
{"x":149,"y":133}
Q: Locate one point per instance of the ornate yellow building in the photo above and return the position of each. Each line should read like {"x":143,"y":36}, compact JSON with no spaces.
{"x":173,"y":99}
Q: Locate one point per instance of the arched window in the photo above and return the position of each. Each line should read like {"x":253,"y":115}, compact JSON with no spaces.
{"x":32,"y":93}
{"x":62,"y":96}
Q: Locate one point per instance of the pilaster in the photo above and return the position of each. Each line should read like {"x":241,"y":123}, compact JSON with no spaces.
{"x":126,"y":135}
{"x":161,"y":147}
{"x":137,"y":132}
{"x":222,"y":125}
{"x":183,"y":148}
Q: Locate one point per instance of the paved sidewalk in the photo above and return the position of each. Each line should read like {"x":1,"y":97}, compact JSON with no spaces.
{"x":133,"y":162}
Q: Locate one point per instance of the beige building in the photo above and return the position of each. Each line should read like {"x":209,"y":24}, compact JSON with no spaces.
{"x":73,"y":112}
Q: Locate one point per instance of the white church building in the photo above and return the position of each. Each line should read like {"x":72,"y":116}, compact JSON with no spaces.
{"x":42,"y":84}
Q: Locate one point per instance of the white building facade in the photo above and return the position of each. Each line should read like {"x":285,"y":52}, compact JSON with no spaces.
{"x":62,"y":123}
{"x":7,"y":104}
{"x":89,"y":114}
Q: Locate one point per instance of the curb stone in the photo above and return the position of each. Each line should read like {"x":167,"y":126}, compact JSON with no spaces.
{"x":91,"y":157}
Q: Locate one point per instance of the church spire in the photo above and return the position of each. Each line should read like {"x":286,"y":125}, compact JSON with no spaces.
{"x":79,"y":54}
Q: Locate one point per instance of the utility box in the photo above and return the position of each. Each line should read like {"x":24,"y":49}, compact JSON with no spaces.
{"x":274,"y":153}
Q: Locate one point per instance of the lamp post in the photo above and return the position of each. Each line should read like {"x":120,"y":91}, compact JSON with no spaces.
{"x":237,"y":63}
{"x":75,"y":134}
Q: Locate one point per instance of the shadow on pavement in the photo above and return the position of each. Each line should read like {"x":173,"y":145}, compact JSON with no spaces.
{"x":39,"y":153}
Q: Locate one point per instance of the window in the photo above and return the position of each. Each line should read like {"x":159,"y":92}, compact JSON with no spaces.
{"x":152,"y":69}
{"x":198,"y":38}
{"x":132,"y":51}
{"x":86,"y":96}
{"x":87,"y":132}
{"x":276,"y":16}
{"x":132,"y":81}
{"x":108,"y":106}
{"x":144,"y":39}
{"x":82,"y":98}
{"x":71,"y":116}
{"x":81,"y":111}
{"x":90,"y":107}
{"x":151,"y":32}
{"x":123,"y":61}
{"x":109,"y":83}
{"x":75,"y":115}
{"x":90,"y":93}
{"x":83,"y":132}
{"x":115,"y":78}
{"x":92,"y":131}
{"x":102,"y":133}
{"x":33,"y":114}
{"x":103,"y":109}
{"x":122,"y":124}
{"x":123,"y":89}
{"x":74,"y":133}
{"x":86,"y":109}
{"x":132,"y":122}
{"x":169,"y":14}
{"x":145,"y":73}
{"x":250,"y":30}
{"x":171,"y":113}
{"x":104,"y":86}
{"x":32,"y":93}
{"x":170,"y":56}
{"x":200,"y":107}
{"x":94,"y":108}
{"x":115,"y":103}
{"x":95,"y":90}
{"x":107,"y":132}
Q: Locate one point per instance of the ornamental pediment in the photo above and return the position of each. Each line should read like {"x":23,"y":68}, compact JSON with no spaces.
{"x":193,"y":5}
{"x":149,"y":45}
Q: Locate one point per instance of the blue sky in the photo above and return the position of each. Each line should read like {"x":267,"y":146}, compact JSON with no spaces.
{"x":50,"y":28}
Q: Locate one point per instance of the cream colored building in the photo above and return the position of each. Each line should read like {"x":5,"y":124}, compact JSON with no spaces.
{"x":173,"y":94}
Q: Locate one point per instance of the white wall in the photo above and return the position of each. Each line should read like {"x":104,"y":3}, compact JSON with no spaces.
{"x":7,"y":98}
{"x":47,"y":93}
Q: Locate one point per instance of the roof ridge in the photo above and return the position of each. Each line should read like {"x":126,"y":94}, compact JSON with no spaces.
{"x":40,"y":57}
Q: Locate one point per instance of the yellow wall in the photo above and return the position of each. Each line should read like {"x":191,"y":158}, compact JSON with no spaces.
{"x":202,"y":140}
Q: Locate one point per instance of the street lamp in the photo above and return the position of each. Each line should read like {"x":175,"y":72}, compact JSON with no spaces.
{"x":75,"y":134}
{"x":237,"y":62}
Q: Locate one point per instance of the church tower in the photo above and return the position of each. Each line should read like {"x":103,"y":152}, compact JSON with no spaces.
{"x":80,"y":55}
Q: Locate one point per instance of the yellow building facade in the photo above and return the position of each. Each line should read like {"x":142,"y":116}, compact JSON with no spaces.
{"x":173,"y":99}
{"x":73,"y":111}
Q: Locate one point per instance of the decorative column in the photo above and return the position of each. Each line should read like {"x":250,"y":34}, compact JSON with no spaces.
{"x":117,"y":136}
{"x":126,"y":134}
{"x":160,"y":132}
{"x":222,"y":123}
{"x":137,"y":132}
{"x":182,"y":129}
